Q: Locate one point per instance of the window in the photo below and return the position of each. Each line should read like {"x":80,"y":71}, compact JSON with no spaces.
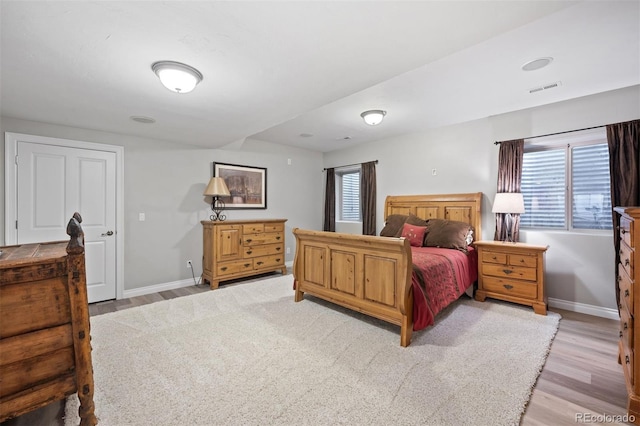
{"x":565,"y":182}
{"x":348,"y":195}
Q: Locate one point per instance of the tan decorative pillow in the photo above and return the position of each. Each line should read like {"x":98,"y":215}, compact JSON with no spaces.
{"x":393,"y":225}
{"x":448,"y":234}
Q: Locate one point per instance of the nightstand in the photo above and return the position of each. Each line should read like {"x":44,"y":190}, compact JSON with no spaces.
{"x":513,"y":272}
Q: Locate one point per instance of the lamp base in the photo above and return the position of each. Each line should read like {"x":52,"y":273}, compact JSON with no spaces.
{"x":217,"y":206}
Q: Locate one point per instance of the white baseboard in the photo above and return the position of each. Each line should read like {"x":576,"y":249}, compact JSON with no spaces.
{"x":168,"y":286}
{"x":157,"y":288}
{"x":583,"y":308}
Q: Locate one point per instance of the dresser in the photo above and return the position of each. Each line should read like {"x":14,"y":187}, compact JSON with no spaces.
{"x":241,"y":248}
{"x":513,"y":272}
{"x":45,"y":349}
{"x":628,"y":275}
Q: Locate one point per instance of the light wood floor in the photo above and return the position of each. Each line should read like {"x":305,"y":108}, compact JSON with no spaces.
{"x":581,"y":376}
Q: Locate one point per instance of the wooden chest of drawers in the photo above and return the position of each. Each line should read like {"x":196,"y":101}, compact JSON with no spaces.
{"x":628,"y":274}
{"x":241,"y":248}
{"x":512,"y":272}
{"x":45,"y":349}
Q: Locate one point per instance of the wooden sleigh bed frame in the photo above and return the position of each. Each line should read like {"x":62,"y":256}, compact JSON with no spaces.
{"x":372,"y":274}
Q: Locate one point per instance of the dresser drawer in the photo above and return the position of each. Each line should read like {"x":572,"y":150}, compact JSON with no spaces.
{"x":512,"y":272}
{"x":493,"y":257}
{"x":264,"y":250}
{"x":268,"y":261}
{"x":509,"y":287}
{"x":253,"y":228}
{"x":626,"y":327}
{"x":626,"y":258}
{"x":626,"y":358}
{"x":227,"y":268}
{"x":265,"y":238}
{"x":626,"y":288}
{"x":626,"y":232}
{"x":274,"y":227}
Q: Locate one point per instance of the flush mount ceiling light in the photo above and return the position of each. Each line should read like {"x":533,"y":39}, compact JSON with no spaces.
{"x":373,"y":117}
{"x":177,"y":77}
{"x":536,"y":64}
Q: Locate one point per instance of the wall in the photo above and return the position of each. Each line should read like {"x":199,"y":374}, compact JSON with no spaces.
{"x":165,"y":181}
{"x":580,"y":269}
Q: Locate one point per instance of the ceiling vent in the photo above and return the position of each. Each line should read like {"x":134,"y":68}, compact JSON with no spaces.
{"x":546,"y":87}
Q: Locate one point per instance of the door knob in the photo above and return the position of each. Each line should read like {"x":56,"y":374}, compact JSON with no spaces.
{"x":107,"y":234}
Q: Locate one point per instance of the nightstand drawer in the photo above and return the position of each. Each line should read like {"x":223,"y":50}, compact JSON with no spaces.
{"x":493,"y":257}
{"x":512,"y":272}
{"x":523,"y":260}
{"x":511,"y":288}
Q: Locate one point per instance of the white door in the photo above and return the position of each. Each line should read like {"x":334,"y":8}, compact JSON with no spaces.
{"x":53,"y":182}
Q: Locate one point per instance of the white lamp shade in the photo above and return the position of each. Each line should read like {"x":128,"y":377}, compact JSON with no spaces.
{"x":217,"y":187}
{"x":373,"y":117}
{"x":508,"y":202}
{"x":177,"y":77}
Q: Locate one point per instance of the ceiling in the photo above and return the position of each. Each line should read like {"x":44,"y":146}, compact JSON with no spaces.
{"x":300,"y":73}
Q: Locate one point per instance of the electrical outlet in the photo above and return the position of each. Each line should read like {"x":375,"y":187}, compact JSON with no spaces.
{"x":189,"y":264}
{"x":288,"y":250}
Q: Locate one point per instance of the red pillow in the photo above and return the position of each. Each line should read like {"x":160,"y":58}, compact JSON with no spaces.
{"x":414,"y":233}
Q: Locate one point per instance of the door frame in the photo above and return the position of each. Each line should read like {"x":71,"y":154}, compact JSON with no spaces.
{"x":11,"y":190}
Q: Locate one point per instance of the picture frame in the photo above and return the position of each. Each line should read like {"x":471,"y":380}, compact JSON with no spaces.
{"x":247,"y":185}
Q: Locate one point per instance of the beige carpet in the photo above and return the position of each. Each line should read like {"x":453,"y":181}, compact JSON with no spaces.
{"x":249,"y":355}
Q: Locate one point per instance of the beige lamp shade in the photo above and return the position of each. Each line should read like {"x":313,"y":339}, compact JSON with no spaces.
{"x":508,"y":202}
{"x":217,"y":187}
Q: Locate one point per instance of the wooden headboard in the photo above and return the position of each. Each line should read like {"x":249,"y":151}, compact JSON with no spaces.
{"x":461,"y":207}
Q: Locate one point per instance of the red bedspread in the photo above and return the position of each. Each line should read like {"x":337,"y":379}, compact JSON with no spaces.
{"x":440,"y":276}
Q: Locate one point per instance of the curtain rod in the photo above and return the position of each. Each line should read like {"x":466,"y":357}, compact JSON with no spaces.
{"x":347,"y":165}
{"x":557,"y":133}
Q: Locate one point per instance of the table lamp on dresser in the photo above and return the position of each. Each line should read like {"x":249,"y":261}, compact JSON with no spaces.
{"x":217,"y":188}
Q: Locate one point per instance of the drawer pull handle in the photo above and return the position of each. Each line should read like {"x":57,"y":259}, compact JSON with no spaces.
{"x":626,"y":262}
{"x":224,"y":268}
{"x":278,"y":237}
{"x":494,"y":258}
{"x":260,"y":263}
{"x":625,"y":327}
{"x":507,"y":271}
{"x":626,"y":293}
{"x":621,"y":333}
{"x":507,"y":286}
{"x":626,"y":359}
{"x":277,"y":260}
{"x":623,"y":231}
{"x":278,"y":248}
{"x":250,"y":251}
{"x":248,"y":240}
{"x":246,"y":265}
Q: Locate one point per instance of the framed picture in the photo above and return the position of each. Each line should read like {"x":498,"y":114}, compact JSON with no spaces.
{"x":247,"y":185}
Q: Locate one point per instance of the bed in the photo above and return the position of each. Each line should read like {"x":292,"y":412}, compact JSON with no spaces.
{"x":392,"y":277}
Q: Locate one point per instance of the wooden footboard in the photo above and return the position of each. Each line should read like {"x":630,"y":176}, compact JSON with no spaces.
{"x":368,"y":274}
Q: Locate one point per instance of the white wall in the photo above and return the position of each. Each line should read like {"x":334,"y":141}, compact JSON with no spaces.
{"x":579,"y":270}
{"x":165,"y":181}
